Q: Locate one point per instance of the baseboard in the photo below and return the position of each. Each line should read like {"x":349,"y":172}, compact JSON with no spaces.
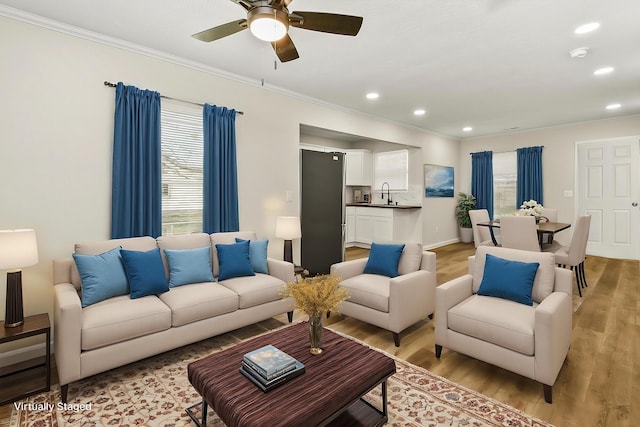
{"x":22,"y":354}
{"x":439,"y":244}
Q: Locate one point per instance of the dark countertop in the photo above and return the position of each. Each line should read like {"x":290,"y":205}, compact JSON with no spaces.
{"x":371,"y":205}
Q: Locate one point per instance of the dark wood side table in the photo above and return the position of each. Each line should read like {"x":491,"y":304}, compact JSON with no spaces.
{"x":25,"y":378}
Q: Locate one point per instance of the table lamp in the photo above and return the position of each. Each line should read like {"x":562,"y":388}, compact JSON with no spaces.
{"x":288,"y":228}
{"x":18,"y":249}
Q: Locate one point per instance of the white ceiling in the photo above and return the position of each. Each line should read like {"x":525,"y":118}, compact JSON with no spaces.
{"x":490,"y":64}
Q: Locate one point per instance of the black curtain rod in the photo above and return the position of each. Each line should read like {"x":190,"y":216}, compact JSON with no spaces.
{"x":106,"y":83}
{"x":508,"y":151}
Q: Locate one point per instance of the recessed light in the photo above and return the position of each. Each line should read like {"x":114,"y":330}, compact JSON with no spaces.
{"x":604,"y":70}
{"x":420,"y":112}
{"x":373,"y":95}
{"x":467,"y":129}
{"x":587,"y":28}
{"x":613,"y":106}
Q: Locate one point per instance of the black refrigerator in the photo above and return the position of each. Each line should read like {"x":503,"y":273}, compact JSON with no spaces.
{"x":322,"y":213}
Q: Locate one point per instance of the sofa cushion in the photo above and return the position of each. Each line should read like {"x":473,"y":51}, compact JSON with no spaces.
{"x":502,"y":322}
{"x":190,"y":303}
{"x":384,"y":259}
{"x":226,"y":238}
{"x":255,"y":290}
{"x":189,"y":266}
{"x":121,"y":318}
{"x":145,"y":272}
{"x":544,"y":282}
{"x":234,"y":260}
{"x":258,"y":255}
{"x":369,"y":290}
{"x":410,"y":259}
{"x":102,"y":276}
{"x":512,"y":280}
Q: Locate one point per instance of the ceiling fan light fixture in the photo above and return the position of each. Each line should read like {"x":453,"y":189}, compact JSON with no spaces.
{"x":268,"y":24}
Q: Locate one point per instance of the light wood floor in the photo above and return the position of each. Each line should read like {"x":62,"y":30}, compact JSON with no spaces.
{"x":599,"y":381}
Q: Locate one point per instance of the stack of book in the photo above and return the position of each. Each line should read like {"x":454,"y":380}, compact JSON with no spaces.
{"x":268,"y":367}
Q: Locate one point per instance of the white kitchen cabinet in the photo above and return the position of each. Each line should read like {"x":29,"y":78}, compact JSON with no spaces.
{"x":373,"y":224}
{"x":359,"y":167}
{"x":382,"y":225}
{"x":351,"y":225}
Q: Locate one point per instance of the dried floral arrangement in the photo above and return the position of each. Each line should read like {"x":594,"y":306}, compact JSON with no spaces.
{"x":317,"y":295}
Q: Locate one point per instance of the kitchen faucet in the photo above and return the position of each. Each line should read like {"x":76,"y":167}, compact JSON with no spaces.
{"x":389,"y":201}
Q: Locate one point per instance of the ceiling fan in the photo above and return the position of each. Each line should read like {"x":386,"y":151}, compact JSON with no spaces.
{"x":269,"y":20}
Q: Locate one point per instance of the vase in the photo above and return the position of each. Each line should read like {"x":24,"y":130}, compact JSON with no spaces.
{"x":315,"y":333}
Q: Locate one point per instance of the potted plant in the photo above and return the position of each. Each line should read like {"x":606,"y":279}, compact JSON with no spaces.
{"x":466,"y":202}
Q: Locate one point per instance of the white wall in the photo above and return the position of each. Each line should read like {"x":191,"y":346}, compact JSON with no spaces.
{"x":558,"y":157}
{"x":56,"y":137}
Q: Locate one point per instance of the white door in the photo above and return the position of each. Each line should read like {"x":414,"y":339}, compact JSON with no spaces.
{"x":608,"y":188}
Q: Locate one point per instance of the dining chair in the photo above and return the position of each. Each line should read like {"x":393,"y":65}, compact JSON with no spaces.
{"x":551,"y":214}
{"x":519,"y":232}
{"x":575,"y":254}
{"x":481,"y":235}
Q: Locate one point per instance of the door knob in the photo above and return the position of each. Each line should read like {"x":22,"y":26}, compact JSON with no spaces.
{"x":634,"y":204}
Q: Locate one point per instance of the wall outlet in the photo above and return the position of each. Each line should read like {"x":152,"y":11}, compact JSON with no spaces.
{"x":568,"y":193}
{"x":437,"y":229}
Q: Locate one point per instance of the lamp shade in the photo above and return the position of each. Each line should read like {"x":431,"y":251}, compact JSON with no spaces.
{"x":288,"y":227}
{"x":18,"y":249}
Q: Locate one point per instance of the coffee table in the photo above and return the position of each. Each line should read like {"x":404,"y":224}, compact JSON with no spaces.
{"x":329,"y":392}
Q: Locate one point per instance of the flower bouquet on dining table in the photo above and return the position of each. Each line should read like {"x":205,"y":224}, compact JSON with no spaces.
{"x":531,"y":208}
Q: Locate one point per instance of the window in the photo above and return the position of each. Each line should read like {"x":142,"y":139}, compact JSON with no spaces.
{"x":505,"y":179}
{"x":182,"y":168}
{"x":392,"y":167}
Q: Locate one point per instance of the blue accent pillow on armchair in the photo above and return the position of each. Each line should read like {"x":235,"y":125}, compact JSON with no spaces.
{"x":512,"y":280}
{"x":384,"y":259}
{"x":234,"y":261}
{"x":145,"y":272}
{"x":257,"y":255}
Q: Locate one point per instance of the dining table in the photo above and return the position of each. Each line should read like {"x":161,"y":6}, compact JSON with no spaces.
{"x":544,"y":228}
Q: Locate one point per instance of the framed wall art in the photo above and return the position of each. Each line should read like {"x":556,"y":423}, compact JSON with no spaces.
{"x":438,"y":181}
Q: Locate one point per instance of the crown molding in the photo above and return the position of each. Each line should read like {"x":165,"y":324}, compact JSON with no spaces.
{"x":117,"y":43}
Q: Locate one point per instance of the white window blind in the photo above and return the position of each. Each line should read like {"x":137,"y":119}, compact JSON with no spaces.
{"x":182,"y":168}
{"x":392,"y":167}
{"x":505,"y":180}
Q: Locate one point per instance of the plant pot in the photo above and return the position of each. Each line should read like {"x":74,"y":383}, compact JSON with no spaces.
{"x":466,"y":235}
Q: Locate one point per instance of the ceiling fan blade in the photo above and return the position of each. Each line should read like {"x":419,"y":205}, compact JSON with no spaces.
{"x":285,"y":49}
{"x":327,"y":22}
{"x":221,"y":31}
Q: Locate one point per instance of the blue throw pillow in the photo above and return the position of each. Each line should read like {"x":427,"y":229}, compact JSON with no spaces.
{"x":102,"y":276}
{"x":189,"y":266}
{"x":384,"y":259}
{"x":512,"y":280}
{"x":234,"y":261}
{"x":257,"y":255}
{"x":145,"y":272}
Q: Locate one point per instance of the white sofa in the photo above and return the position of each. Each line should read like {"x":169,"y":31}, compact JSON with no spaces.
{"x":391,"y":303}
{"x":530,"y":340}
{"x":121,"y":330}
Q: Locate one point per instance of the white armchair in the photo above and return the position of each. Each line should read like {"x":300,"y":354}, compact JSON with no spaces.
{"x":391,"y":303}
{"x":532,"y":341}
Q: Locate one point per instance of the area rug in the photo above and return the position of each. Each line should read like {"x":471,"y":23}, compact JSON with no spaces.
{"x":155,"y":392}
